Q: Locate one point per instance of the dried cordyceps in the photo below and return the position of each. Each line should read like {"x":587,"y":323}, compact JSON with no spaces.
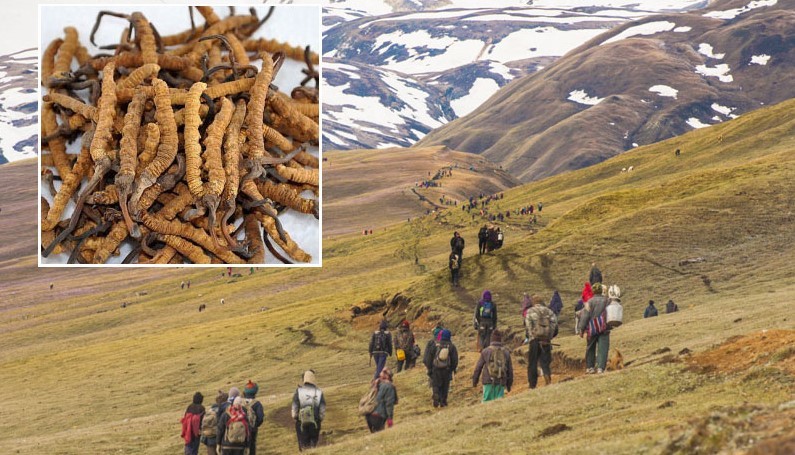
{"x":188,"y":151}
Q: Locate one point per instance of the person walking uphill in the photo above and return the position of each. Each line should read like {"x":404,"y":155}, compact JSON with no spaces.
{"x":556,"y":303}
{"x":210,"y":423}
{"x":380,"y":347}
{"x":454,"y":264}
{"x":308,"y":410}
{"x":541,"y":325}
{"x":497,"y":376}
{"x":457,"y":244}
{"x":596,"y":275}
{"x":441,"y":359}
{"x":593,"y":323}
{"x":671,"y":307}
{"x":483,"y":238}
{"x":254,"y":412}
{"x":404,"y":347}
{"x":485,"y":319}
{"x":387,"y":398}
{"x":233,"y":430}
{"x":651,"y":310}
{"x":191,"y":425}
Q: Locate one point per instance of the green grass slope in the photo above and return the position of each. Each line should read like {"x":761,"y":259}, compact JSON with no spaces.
{"x":80,"y":373}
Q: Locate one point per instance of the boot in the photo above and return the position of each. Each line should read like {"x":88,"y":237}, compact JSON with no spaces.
{"x":547,"y":379}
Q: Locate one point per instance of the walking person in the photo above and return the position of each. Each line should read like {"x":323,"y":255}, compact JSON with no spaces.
{"x":191,"y":425}
{"x":671,"y":307}
{"x":404,"y":346}
{"x":233,"y":429}
{"x":483,"y":237}
{"x":210,"y":423}
{"x":556,"y":303}
{"x":441,"y":359}
{"x":308,"y":410}
{"x":380,"y":347}
{"x":457,"y":244}
{"x":541,"y":325}
{"x":595,"y":276}
{"x":651,"y":310}
{"x":494,"y":369}
{"x":593,"y":323}
{"x":386,"y":399}
{"x":485,"y":319}
{"x":254,"y":412}
{"x":455,"y":267}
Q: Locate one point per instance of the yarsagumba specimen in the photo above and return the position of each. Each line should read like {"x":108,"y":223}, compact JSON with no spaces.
{"x":188,"y":152}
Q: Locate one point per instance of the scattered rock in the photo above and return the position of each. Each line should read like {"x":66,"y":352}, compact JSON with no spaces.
{"x":737,"y":320}
{"x":491,"y":424}
{"x":685,"y":351}
{"x":667,"y":404}
{"x":661,"y":351}
{"x":691,"y":261}
{"x":142,"y":293}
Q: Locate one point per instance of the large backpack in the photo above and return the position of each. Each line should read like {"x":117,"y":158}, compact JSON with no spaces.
{"x":483,"y":234}
{"x":306,"y":413}
{"x":368,"y":402}
{"x":248,"y":405}
{"x":498,"y":363}
{"x":210,"y":423}
{"x":442,"y":357}
{"x":455,"y":262}
{"x":380,"y":341}
{"x":236,"y":428}
{"x":542,"y":323}
{"x":487,"y":310}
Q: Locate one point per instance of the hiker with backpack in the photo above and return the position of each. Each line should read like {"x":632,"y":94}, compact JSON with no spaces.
{"x":404,"y":347}
{"x":209,"y":427}
{"x":671,"y":307}
{"x":651,"y":310}
{"x":233,"y":429}
{"x":454,"y":263}
{"x":386,"y":399}
{"x":457,"y":244}
{"x":441,"y":359}
{"x":556,"y":303}
{"x":254,"y":412}
{"x":593,"y":323}
{"x":595,"y":276}
{"x":308,"y":410}
{"x":497,"y":376}
{"x":191,"y":425}
{"x":234,"y":392}
{"x":428,"y":348}
{"x":380,"y":347}
{"x":500,"y":237}
{"x":483,"y":237}
{"x":485,"y":319}
{"x":541,"y":325}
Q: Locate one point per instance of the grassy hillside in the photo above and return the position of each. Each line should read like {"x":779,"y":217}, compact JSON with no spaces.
{"x":88,"y":374}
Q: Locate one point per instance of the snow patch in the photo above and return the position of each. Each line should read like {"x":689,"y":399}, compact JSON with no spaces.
{"x":683,"y":29}
{"x":502,"y":70}
{"x":696,"y":123}
{"x":579,"y":96}
{"x":706,"y":49}
{"x":732,"y":13}
{"x":481,"y":90}
{"x":649,"y":28}
{"x":539,"y":42}
{"x":722,"y":109}
{"x":720,"y":71}
{"x":759,"y":59}
{"x":664,"y":90}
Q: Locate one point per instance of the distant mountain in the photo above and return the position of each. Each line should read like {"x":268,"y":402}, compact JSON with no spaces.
{"x":394,"y":71}
{"x":642,"y":82}
{"x":18,"y":105}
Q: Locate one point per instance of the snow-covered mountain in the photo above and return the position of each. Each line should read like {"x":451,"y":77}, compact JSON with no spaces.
{"x":395,"y":70}
{"x":18,"y":105}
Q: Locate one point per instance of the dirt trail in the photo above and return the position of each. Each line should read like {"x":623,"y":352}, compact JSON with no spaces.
{"x":774,"y":348}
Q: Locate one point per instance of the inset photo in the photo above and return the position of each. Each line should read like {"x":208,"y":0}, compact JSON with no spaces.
{"x":182,"y":135}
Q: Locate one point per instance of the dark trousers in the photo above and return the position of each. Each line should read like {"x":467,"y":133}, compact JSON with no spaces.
{"x":307,"y":436}
{"x":440,"y":378}
{"x":454,"y":273}
{"x":252,"y":448}
{"x":596,"y":352}
{"x":375,"y":422}
{"x":484,"y":333}
{"x":538,"y":352}
{"x":482,"y":245}
{"x":192,"y":448}
{"x":380,"y":362}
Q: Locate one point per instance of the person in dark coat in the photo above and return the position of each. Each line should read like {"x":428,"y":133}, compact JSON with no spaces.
{"x":253,"y":405}
{"x":539,"y":352}
{"x":380,"y":347}
{"x":191,"y":425}
{"x":556,"y":303}
{"x":598,"y":344}
{"x":483,"y":237}
{"x":457,"y":244}
{"x":209,"y":438}
{"x":404,"y":340}
{"x":428,"y":348}
{"x":387,"y":398}
{"x":595,"y":276}
{"x":671,"y":307}
{"x":494,"y":386}
{"x":485,"y":319}
{"x":454,"y":264}
{"x":233,"y":412}
{"x":306,"y":395}
{"x":651,"y":310}
{"x":442,"y":370}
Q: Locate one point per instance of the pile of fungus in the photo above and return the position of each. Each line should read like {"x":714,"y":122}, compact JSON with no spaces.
{"x":188,"y":152}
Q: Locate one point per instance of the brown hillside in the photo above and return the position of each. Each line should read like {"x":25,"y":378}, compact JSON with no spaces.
{"x":18,"y":210}
{"x":534,"y":130}
{"x":368,"y":189}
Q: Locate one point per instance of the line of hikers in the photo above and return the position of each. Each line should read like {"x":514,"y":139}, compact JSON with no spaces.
{"x":231,"y":424}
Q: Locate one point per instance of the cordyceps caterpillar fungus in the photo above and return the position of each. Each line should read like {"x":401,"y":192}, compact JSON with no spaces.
{"x":170,"y":141}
